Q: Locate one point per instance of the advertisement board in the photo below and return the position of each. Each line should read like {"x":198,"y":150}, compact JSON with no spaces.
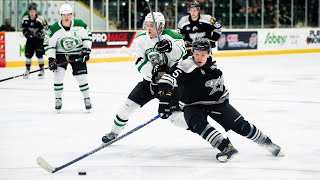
{"x":286,"y":39}
{"x":112,"y":39}
{"x":238,"y":40}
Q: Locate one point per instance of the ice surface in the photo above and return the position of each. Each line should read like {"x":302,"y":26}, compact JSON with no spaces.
{"x":279,"y":94}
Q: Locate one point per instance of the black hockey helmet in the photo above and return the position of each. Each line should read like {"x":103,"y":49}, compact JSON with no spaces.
{"x":32,"y":6}
{"x":194,"y":4}
{"x":201,"y":44}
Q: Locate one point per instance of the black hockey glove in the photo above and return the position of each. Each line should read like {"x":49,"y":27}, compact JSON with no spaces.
{"x":39,"y":34}
{"x":157,"y":72}
{"x":164,"y":45}
{"x":28,"y":34}
{"x":85,"y":54}
{"x":53,"y":64}
{"x":164,"y":104}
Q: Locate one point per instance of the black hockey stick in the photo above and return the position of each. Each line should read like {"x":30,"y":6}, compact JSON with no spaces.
{"x":46,"y":166}
{"x":61,"y":64}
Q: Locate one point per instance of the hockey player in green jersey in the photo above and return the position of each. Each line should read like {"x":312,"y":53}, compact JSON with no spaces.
{"x":69,"y":39}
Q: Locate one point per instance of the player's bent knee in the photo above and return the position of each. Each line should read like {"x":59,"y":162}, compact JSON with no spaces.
{"x":242,"y":127}
{"x":197,"y":124}
{"x":29,"y":55}
{"x":127,"y":109}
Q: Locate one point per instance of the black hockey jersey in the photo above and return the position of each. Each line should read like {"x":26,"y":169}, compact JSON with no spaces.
{"x":34,"y":28}
{"x":197,"y":85}
{"x":205,"y":26}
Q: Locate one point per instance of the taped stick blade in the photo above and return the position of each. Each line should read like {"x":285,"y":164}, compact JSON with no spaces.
{"x":45,"y":165}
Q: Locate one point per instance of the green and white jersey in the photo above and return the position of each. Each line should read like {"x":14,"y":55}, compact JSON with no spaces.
{"x":143,"y":47}
{"x":60,"y":41}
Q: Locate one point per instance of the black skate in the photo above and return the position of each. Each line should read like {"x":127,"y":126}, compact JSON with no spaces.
{"x":227,"y":153}
{"x":109,"y":137}
{"x":271,"y":147}
{"x":87,"y":103}
{"x":58,"y":104}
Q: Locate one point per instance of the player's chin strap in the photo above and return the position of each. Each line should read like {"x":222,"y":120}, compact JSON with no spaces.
{"x":61,"y":64}
{"x":46,"y":166}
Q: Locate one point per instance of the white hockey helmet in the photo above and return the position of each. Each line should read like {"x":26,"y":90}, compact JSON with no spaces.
{"x":159,"y":19}
{"x":66,"y":9}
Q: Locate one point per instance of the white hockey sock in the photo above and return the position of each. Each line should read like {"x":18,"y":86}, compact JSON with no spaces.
{"x":58,"y":81}
{"x":83,"y":84}
{"x":125,"y":112}
{"x":41,"y":63}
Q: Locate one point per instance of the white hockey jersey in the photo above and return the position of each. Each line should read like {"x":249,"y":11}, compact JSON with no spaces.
{"x":142,"y":45}
{"x":60,"y":41}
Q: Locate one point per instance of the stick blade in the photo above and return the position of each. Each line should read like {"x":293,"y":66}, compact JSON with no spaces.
{"x":45,"y":165}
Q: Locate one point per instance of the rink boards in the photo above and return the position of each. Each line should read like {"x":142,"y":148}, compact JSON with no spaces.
{"x":115,"y":46}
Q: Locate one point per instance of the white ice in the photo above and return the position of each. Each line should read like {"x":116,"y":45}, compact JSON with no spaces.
{"x":279,"y":94}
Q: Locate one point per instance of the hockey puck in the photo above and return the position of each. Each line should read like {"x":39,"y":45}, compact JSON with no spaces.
{"x":81,"y":173}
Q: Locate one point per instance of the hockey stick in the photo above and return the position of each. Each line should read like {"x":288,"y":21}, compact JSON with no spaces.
{"x":154,"y":20}
{"x":46,"y":166}
{"x":61,"y":64}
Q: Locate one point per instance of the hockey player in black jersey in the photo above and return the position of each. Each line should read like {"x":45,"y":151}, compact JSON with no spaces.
{"x":34,"y":28}
{"x":198,"y":25}
{"x":203,"y":94}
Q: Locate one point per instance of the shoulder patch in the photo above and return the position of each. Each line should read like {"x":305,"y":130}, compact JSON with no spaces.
{"x":212,"y":20}
{"x":187,"y":65}
{"x":172,"y":34}
{"x":54,"y":28}
{"x":79,"y":22}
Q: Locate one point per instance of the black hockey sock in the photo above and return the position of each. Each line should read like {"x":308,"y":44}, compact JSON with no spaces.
{"x":28,"y":66}
{"x":41,"y":66}
{"x":250,"y":131}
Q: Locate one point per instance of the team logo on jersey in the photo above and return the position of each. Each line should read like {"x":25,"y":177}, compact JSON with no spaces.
{"x":194,"y":28}
{"x":68,"y":43}
{"x":215,"y":84}
{"x":154,"y":56}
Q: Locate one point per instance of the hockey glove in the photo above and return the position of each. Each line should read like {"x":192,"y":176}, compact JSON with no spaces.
{"x":164,"y":45}
{"x":164,"y":104}
{"x":28,"y":34}
{"x":157,"y":72}
{"x":85,"y":54}
{"x":53,"y":64}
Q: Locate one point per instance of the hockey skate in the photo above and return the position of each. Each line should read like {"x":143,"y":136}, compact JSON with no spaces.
{"x":109,"y":137}
{"x":41,"y":74}
{"x":227,"y":153}
{"x":271,"y":147}
{"x":87,"y":103}
{"x":26,"y":74}
{"x":58,"y":105}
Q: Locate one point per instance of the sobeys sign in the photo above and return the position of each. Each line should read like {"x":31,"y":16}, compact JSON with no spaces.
{"x":271,"y":38}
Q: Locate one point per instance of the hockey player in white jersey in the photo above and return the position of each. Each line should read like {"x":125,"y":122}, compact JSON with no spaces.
{"x":152,"y":58}
{"x":69,"y":39}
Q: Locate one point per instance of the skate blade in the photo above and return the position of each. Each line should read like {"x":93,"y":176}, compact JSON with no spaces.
{"x":280,"y":154}
{"x":223,"y":158}
{"x":41,"y":77}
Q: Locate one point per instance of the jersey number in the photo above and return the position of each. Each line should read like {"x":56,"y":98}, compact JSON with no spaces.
{"x":176,"y":73}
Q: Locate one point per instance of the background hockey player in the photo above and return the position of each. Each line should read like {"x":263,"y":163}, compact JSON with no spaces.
{"x":152,"y":59}
{"x":204,"y":94}
{"x":198,"y":25}
{"x":69,"y":39}
{"x":34,"y":29}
